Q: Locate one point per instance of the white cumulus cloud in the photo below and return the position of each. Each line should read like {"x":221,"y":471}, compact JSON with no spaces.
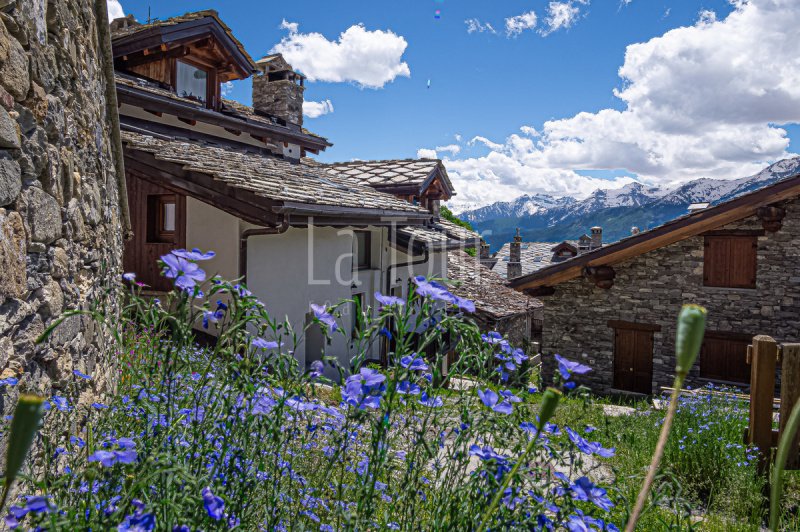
{"x":518,"y":24}
{"x":115,"y":10}
{"x":561,"y":15}
{"x":368,"y":58}
{"x":317,"y":109}
{"x":474,"y":25}
{"x":453,"y":149}
{"x":425,"y":153}
{"x":691,"y":109}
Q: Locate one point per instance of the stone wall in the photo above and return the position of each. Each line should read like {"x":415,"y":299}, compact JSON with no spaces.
{"x":652,"y":288}
{"x":60,"y":231}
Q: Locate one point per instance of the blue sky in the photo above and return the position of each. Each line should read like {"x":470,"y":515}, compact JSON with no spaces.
{"x":489,"y":84}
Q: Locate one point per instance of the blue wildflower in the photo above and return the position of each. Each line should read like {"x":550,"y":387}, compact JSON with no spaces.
{"x":214,"y":505}
{"x":414,"y":363}
{"x":490,"y":399}
{"x":567,"y":368}
{"x":194,"y":255}
{"x":322,"y":314}
{"x":432,"y":402}
{"x":81,"y":375}
{"x":389,"y":301}
{"x":186,"y":274}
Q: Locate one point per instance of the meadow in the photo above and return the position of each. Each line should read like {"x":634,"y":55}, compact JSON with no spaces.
{"x":237,"y":436}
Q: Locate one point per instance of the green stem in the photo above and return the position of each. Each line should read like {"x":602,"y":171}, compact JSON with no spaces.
{"x":785,"y":446}
{"x":3,"y":500}
{"x":656,"y":461}
{"x":499,"y":495}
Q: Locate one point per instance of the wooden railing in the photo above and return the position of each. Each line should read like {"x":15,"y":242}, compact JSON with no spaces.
{"x":764,"y":355}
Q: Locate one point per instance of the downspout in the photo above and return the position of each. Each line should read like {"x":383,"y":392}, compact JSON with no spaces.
{"x":112,"y":110}
{"x":279,"y":229}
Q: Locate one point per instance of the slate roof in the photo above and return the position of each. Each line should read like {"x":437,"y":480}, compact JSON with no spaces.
{"x":269,"y":177}
{"x":469,"y":238}
{"x":533,"y":255}
{"x":487,"y":289}
{"x":394,"y":173}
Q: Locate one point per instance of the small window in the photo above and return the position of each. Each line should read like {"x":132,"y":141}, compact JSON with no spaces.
{"x":363,"y":250}
{"x":162,"y":213}
{"x":192,"y":82}
{"x":730,"y":261}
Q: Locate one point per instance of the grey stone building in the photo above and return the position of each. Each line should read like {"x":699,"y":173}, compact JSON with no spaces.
{"x":497,"y":307}
{"x":61,"y":213}
{"x":615,"y":308}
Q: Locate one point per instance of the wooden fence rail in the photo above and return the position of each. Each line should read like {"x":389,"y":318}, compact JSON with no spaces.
{"x":763,"y":356}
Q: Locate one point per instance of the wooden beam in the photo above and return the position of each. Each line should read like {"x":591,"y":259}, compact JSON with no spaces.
{"x":762,"y":389}
{"x":602,"y":276}
{"x":143,"y":99}
{"x":771,"y":217}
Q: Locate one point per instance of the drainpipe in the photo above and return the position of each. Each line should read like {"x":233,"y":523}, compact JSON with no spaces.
{"x":112,"y":110}
{"x":276,"y":230}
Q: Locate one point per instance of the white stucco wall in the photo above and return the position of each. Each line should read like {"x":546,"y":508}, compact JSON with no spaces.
{"x":288,"y":272}
{"x":208,"y":228}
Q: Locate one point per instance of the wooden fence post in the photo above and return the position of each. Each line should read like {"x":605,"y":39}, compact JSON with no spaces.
{"x":790,"y":394}
{"x":762,"y":391}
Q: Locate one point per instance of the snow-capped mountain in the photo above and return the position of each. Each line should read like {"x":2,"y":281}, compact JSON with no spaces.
{"x":522,"y":206}
{"x":545,"y":218}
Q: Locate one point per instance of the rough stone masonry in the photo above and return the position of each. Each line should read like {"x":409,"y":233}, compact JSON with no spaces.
{"x":60,"y":215}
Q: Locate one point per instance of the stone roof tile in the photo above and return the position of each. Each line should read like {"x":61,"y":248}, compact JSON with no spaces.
{"x":473,"y":281}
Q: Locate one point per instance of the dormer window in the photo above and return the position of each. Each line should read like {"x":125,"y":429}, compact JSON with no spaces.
{"x":191,"y":82}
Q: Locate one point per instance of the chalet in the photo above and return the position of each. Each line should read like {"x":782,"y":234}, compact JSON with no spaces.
{"x":615,"y":307}
{"x":520,"y":258}
{"x":207,"y":172}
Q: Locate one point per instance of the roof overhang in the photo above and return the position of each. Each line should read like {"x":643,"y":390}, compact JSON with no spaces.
{"x":156,"y":103}
{"x":256,"y":209}
{"x":664,"y":235}
{"x":186,"y":32}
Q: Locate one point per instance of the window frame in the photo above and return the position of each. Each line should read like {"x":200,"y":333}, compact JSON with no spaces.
{"x":156,"y":219}
{"x":212,"y":92}
{"x":358,"y":265}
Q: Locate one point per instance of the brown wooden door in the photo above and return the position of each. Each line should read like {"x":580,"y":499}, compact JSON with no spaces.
{"x":633,"y":360}
{"x":158,"y":216}
{"x":724,"y":357}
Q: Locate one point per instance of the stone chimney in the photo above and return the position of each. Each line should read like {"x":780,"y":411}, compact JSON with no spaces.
{"x":597,"y":237}
{"x":635,"y":231}
{"x":278,"y":90}
{"x":515,"y":258}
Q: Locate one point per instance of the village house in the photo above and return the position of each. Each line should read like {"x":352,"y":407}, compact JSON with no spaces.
{"x":615,"y":308}
{"x":519,"y":258}
{"x":210,"y":173}
{"x":516,"y":316}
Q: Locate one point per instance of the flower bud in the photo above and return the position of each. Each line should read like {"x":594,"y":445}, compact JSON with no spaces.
{"x":550,"y":400}
{"x":689,"y":339}
{"x":24,"y":426}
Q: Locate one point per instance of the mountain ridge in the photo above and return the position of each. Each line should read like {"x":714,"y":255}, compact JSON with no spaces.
{"x":545,"y":218}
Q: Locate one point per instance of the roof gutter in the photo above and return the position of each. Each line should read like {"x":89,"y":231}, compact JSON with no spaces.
{"x":261,"y":231}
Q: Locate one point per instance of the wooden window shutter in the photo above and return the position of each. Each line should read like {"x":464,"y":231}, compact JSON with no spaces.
{"x":730,"y":261}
